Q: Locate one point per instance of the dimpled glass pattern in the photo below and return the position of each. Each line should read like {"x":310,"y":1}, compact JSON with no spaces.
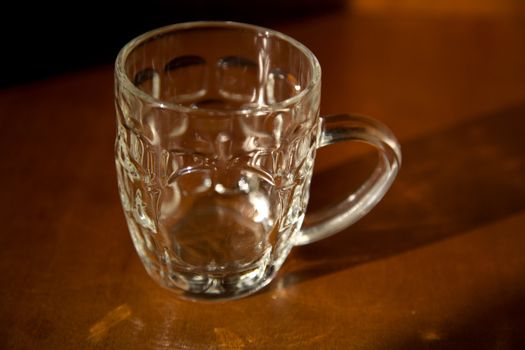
{"x":215,"y":189}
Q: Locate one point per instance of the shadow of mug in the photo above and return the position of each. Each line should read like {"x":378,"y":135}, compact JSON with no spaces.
{"x":451,"y":182}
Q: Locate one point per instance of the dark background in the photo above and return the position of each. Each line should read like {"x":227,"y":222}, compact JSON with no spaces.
{"x":41,"y":40}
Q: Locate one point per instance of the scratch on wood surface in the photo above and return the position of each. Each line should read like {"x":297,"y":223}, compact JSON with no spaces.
{"x":317,"y":338}
{"x":430,"y":335}
{"x":299,"y":340}
{"x":137,"y":322}
{"x":110,"y":320}
{"x":227,"y":339}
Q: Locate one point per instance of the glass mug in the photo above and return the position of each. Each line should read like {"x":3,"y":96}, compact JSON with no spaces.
{"x":217,"y":128}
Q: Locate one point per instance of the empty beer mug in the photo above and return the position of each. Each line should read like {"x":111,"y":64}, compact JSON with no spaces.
{"x":217,"y":128}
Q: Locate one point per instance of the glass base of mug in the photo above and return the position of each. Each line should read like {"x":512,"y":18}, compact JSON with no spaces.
{"x":215,"y":286}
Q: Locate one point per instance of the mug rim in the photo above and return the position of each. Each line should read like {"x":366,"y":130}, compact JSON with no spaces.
{"x":125,"y":82}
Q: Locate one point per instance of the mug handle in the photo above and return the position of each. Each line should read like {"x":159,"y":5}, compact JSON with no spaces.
{"x":326,"y":222}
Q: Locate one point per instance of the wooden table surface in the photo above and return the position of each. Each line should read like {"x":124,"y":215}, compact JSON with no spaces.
{"x":439,"y":264}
